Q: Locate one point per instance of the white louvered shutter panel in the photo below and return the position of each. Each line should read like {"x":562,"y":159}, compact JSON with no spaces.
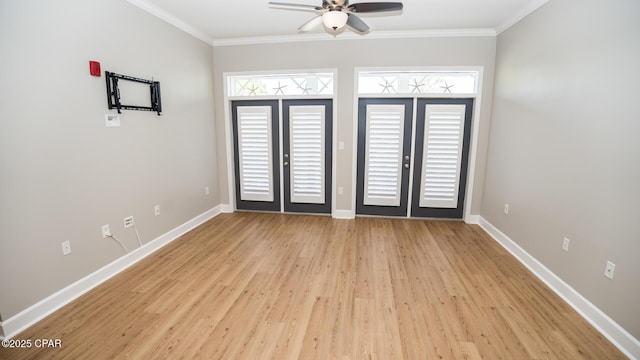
{"x":307,"y":156}
{"x":254,"y":153}
{"x":383,"y":156}
{"x":442,"y":154}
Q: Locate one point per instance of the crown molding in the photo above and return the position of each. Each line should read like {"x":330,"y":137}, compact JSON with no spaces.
{"x":171,"y":19}
{"x":184,"y":26}
{"x":353,"y":36}
{"x":524,"y":12}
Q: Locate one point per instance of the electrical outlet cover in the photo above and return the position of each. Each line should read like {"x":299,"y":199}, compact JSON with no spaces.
{"x":128,"y":222}
{"x":105,"y":231}
{"x":66,"y":248}
{"x":609,"y":269}
{"x":112,"y":120}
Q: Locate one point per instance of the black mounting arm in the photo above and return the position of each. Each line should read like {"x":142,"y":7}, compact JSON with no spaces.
{"x":113,"y":93}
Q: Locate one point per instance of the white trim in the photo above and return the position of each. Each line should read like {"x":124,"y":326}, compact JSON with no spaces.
{"x":530,"y":7}
{"x":354,"y":142}
{"x":171,"y":19}
{"x":231,"y":177}
{"x":472,"y":219}
{"x":343,"y":214}
{"x":422,"y":95}
{"x":404,"y":34}
{"x":475,"y":122}
{"x":473,"y":149}
{"x":622,"y":339}
{"x":334,"y":143}
{"x":21,"y":321}
{"x":352,"y":36}
{"x":226,"y":208}
{"x":228,"y":131}
{"x":278,"y":97}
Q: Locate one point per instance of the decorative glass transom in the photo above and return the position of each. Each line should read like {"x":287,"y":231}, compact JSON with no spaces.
{"x":416,"y":82}
{"x":304,"y":84}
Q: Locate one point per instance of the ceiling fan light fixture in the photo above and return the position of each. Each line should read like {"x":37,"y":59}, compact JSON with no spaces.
{"x":335,"y":19}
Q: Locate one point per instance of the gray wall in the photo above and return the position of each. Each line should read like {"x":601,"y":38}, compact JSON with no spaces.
{"x":62,"y":173}
{"x":564,"y":149}
{"x":346,"y":55}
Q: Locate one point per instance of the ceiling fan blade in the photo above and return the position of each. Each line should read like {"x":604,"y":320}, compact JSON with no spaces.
{"x":309,"y":25}
{"x":295,"y":6}
{"x":357,"y":24}
{"x":368,"y":7}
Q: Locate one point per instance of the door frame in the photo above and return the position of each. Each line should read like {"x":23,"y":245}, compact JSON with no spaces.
{"x":476,"y":123}
{"x":228,"y":131}
{"x":410,"y":185}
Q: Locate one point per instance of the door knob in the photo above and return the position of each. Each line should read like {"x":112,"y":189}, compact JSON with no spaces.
{"x":406,"y":166}
{"x":406,"y":157}
{"x":286,"y":163}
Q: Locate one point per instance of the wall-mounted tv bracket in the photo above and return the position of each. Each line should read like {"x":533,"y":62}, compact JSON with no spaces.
{"x":113,"y":93}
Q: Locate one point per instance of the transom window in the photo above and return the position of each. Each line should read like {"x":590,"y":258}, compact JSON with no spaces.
{"x":302,"y":84}
{"x":417,"y":82}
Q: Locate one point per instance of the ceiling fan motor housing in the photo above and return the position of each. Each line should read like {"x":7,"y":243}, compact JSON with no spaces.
{"x":335,"y":14}
{"x":335,"y":4}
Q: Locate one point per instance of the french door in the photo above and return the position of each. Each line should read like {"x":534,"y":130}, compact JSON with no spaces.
{"x":440,"y":151}
{"x":256,"y":143}
{"x":305,"y":161}
{"x":384,"y":150}
{"x":306,"y":137}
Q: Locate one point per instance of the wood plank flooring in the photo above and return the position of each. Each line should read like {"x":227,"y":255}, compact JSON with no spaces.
{"x":272,"y":286}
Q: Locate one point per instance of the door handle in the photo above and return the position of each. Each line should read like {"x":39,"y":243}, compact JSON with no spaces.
{"x":286,"y":163}
{"x":406,"y":166}
{"x":406,"y":157}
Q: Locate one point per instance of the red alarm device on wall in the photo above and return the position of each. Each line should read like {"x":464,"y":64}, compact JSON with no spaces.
{"x":94,"y":68}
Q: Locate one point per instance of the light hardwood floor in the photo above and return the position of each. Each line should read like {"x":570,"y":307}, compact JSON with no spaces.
{"x":272,"y":286}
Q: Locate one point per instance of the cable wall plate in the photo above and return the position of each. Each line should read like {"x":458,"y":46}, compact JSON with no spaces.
{"x":112,"y":120}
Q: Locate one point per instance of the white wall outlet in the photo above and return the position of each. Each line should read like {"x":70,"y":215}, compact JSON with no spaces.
{"x":156,"y":210}
{"x":565,"y":244}
{"x":609,"y":269}
{"x":340,"y":145}
{"x":506,"y":209}
{"x":112,"y":120}
{"x":105,"y":231}
{"x":206,"y":190}
{"x":66,"y":248}
{"x":128,"y":222}
{"x":340,"y":190}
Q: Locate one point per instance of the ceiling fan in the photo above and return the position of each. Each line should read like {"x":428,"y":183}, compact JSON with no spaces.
{"x":336,"y":14}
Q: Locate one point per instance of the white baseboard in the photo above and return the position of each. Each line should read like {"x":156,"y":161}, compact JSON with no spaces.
{"x":19,"y":322}
{"x":343,"y":214}
{"x":621,"y":338}
{"x":226,"y":208}
{"x":472,"y":219}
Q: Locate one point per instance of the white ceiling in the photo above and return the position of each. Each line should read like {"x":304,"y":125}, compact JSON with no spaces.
{"x":216,"y":20}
